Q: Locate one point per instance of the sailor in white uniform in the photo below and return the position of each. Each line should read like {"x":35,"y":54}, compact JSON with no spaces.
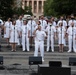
{"x":38,"y":23}
{"x":25,"y":32}
{"x":63,"y":21}
{"x":32,"y":24}
{"x":7,"y":29}
{"x":72,"y":37}
{"x":64,"y":25}
{"x":43,"y":23}
{"x":72,"y":20}
{"x":51,"y":32}
{"x":61,"y":36}
{"x":14,"y":34}
{"x":19,"y":22}
{"x":53,"y":21}
{"x":1,"y":25}
{"x":39,"y":41}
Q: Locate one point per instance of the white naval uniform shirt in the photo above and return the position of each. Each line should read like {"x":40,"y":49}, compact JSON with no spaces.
{"x":71,"y":31}
{"x":1,"y":23}
{"x":50,"y":30}
{"x":25,"y":29}
{"x":54,"y":23}
{"x":37,"y":27}
{"x":63,"y":21}
{"x":61,"y":30}
{"x":40,"y":35}
{"x":19,"y":23}
{"x":43,"y":24}
{"x":7,"y":26}
{"x":31,"y":24}
{"x":70,"y":21}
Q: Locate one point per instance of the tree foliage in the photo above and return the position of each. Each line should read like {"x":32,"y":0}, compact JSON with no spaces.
{"x":6,"y":8}
{"x":19,"y":10}
{"x":60,"y":7}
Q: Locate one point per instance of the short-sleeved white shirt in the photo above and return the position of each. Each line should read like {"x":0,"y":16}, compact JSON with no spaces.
{"x":71,"y":31}
{"x":50,"y":30}
{"x":40,"y":35}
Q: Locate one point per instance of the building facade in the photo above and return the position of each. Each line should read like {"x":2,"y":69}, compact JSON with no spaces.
{"x":37,"y":6}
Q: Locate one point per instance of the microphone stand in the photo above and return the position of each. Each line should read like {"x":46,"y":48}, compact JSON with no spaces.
{"x":50,"y":36}
{"x":72,"y":35}
{"x":61,"y":38}
{"x":25,"y":37}
{"x":31,"y":34}
{"x":9,"y":34}
{"x":14,"y":35}
{"x":72,"y":38}
{"x":0,"y":36}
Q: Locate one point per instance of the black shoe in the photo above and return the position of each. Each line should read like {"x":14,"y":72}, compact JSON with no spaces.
{"x":8,"y":46}
{"x":21,"y":46}
{"x":25,"y":50}
{"x":49,"y":51}
{"x":30,"y":46}
{"x":0,"y":50}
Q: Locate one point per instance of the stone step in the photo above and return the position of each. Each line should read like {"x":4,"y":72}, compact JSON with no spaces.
{"x":31,"y":53}
{"x":3,"y":41}
{"x":18,"y":48}
{"x":47,"y":56}
{"x":23,"y":57}
{"x":27,"y":57}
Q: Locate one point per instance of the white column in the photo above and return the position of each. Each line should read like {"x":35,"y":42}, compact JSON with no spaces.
{"x":37,"y":7}
{"x":23,"y":4}
{"x":32,"y":6}
{"x":28,"y":3}
{"x":42,"y":6}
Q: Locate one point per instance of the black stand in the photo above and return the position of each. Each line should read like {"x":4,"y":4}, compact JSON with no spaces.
{"x":31,"y":35}
{"x":0,"y":36}
{"x":25,"y":38}
{"x":50,"y":39}
{"x":61,"y":37}
{"x":14,"y":34}
{"x":72,"y":39}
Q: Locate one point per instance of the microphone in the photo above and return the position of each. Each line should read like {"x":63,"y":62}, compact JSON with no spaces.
{"x":50,"y":25}
{"x":0,"y":22}
{"x":14,"y":28}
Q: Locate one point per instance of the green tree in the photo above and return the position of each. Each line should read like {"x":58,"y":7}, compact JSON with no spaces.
{"x":61,"y":7}
{"x":6,"y":8}
{"x":48,"y":10}
{"x":20,"y":10}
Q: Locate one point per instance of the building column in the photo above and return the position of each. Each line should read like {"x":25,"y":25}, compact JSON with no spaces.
{"x":37,"y":7}
{"x":32,"y":6}
{"x":23,"y":4}
{"x":28,"y":3}
{"x":42,"y":6}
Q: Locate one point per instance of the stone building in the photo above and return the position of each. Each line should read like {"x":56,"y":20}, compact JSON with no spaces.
{"x":37,"y":6}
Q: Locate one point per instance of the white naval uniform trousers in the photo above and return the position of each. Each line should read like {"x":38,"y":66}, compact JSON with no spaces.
{"x":39,"y":43}
{"x":50,"y":30}
{"x":25,"y":42}
{"x":25,"y":39}
{"x":19,"y":23}
{"x":71,"y":38}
